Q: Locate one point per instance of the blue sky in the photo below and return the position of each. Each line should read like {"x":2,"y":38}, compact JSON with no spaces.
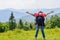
{"x":27,"y":4}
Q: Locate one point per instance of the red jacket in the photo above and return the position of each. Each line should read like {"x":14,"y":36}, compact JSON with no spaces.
{"x":40,"y":14}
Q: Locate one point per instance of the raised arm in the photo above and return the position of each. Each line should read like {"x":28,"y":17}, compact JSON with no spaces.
{"x":50,"y":12}
{"x":30,"y":13}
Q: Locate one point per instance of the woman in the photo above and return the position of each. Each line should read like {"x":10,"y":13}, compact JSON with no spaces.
{"x":40,"y":22}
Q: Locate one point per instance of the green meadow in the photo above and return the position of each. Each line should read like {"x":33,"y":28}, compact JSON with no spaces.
{"x":17,"y":34}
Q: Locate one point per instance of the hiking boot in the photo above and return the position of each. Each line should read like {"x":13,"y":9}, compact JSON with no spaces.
{"x":44,"y":39}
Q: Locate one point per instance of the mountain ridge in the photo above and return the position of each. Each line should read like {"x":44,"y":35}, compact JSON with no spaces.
{"x":20,"y":13}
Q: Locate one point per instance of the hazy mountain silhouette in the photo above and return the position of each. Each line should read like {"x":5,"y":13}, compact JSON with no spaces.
{"x":20,"y":13}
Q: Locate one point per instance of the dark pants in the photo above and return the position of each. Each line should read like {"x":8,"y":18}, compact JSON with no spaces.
{"x":42,"y":30}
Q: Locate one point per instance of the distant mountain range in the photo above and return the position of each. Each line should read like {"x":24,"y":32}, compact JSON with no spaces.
{"x":20,"y":14}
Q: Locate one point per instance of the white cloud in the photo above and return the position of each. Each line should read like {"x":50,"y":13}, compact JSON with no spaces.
{"x":23,"y":4}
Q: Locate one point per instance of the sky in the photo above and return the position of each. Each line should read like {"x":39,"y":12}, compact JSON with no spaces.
{"x":29,"y":4}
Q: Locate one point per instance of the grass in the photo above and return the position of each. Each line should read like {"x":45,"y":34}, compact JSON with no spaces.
{"x":17,"y":34}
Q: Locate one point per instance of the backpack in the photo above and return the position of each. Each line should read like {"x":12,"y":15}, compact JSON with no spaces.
{"x":40,"y":20}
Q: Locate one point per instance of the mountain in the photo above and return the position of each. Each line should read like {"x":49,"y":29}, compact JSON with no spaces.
{"x":20,"y":14}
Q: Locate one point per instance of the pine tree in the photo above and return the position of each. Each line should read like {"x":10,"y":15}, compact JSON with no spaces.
{"x":26,"y":23}
{"x":12,"y":22}
{"x":31,"y":26}
{"x":20,"y":23}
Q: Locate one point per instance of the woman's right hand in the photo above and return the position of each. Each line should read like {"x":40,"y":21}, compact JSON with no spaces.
{"x":28,"y":12}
